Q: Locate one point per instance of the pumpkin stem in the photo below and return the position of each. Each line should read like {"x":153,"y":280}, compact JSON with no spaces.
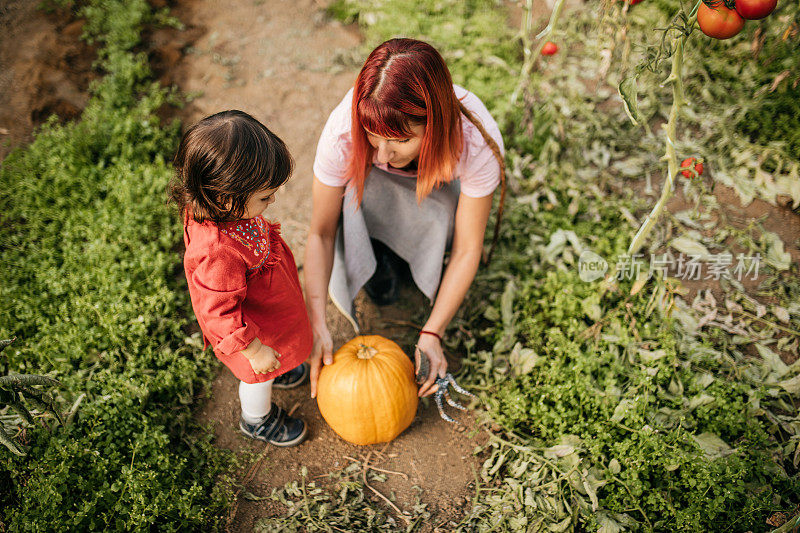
{"x":366,"y":352}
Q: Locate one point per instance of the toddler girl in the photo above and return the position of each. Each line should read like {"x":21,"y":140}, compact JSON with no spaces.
{"x":241,"y":274}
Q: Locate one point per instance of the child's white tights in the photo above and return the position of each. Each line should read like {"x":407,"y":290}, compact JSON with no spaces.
{"x":256,"y":400}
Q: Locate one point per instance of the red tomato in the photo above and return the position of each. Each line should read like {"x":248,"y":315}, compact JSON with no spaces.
{"x":687,"y":163}
{"x":719,"y":22}
{"x":549,"y":48}
{"x":755,"y":9}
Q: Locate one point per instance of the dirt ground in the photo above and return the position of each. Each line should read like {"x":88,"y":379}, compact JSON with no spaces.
{"x":288,"y":65}
{"x":44,"y":69}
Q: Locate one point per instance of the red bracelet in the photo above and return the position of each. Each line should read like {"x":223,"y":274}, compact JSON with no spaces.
{"x":431,"y":333}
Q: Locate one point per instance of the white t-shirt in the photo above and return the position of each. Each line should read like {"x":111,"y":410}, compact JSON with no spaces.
{"x":477,"y":168}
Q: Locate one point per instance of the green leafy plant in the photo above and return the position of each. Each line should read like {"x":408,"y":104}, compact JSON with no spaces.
{"x":17,"y":390}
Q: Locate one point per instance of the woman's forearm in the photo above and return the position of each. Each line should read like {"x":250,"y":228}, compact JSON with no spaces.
{"x":458,"y":276}
{"x":317,"y":268}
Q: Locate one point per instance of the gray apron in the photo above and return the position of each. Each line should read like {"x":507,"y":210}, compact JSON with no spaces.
{"x":420,"y":234}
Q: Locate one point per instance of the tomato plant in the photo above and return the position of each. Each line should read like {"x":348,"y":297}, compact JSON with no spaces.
{"x":719,"y":22}
{"x":687,"y":164}
{"x":755,"y":9}
{"x":549,"y":48}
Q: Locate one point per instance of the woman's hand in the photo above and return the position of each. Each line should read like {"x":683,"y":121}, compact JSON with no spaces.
{"x":263,"y":359}
{"x":320,"y":353}
{"x":438,"y":364}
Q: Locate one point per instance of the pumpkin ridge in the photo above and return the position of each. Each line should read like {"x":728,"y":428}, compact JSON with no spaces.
{"x":365,"y":378}
{"x":398,"y":372}
{"x":389,"y":406}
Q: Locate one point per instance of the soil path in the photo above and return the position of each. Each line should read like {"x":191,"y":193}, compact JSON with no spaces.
{"x":288,"y":65}
{"x":44,"y":69}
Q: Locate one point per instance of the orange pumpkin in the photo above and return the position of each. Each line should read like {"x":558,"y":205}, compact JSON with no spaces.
{"x":368,"y":395}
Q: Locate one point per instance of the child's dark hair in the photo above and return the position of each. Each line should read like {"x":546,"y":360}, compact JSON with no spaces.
{"x":221,"y":161}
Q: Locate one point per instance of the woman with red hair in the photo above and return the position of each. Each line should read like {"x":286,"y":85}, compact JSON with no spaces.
{"x":405,"y":170}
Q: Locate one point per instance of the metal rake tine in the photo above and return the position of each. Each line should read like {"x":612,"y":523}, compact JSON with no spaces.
{"x":456,"y":386}
{"x":438,"y":399}
{"x":452,"y":402}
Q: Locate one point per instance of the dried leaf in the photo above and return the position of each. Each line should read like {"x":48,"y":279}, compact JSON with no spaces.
{"x":497,"y":464}
{"x":629,"y":93}
{"x":507,"y":303}
{"x":247,"y":495}
{"x":792,"y":386}
{"x":713,"y":446}
{"x":630,"y":168}
{"x":641,"y":280}
{"x":559,"y":450}
{"x":621,"y":411}
{"x":522,"y":360}
{"x":708,"y":317}
{"x":772,"y":361}
{"x":558,"y":244}
{"x":518,"y":523}
{"x":591,"y":307}
{"x":560,"y":526}
{"x":590,"y":485}
{"x":699,"y":400}
{"x":774,"y":253}
{"x":651,"y":356}
{"x":704,"y":380}
{"x":796,"y":460}
{"x":608,"y":524}
{"x":690,"y":247}
{"x":781,"y":313}
{"x":778,"y":79}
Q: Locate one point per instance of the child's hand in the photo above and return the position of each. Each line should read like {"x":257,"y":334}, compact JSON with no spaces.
{"x":262,"y":358}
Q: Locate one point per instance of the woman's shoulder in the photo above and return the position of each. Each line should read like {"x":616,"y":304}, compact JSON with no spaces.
{"x":473,"y":137}
{"x":478,"y":167}
{"x":334,"y":145}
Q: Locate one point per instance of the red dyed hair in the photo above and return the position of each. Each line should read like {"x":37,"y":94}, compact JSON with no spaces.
{"x":405,"y":82}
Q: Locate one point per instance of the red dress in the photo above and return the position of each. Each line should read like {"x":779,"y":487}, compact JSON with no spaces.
{"x":243,"y":283}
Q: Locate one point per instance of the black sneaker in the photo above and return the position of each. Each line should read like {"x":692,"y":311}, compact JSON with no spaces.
{"x":293,"y":378}
{"x":383,"y":286}
{"x":276,"y":428}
